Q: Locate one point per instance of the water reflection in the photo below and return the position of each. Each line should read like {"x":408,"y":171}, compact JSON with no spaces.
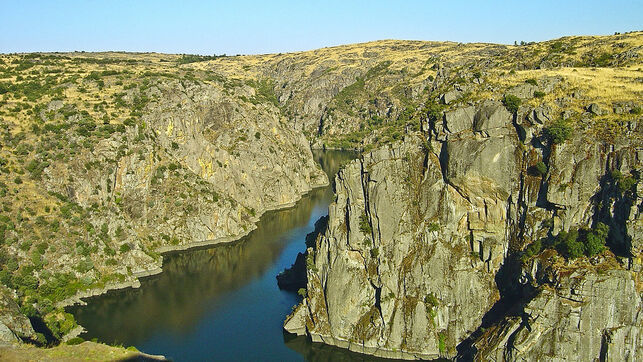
{"x":191,"y":281}
{"x":318,"y":352}
{"x":202,"y":305}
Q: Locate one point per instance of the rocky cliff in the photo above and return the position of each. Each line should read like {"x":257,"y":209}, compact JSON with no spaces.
{"x":478,"y":161}
{"x":116,"y":160}
{"x":589,"y":308}
{"x":436,"y":245}
{"x":421,"y":245}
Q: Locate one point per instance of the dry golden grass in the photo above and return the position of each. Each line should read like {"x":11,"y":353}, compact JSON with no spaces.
{"x":86,"y":351}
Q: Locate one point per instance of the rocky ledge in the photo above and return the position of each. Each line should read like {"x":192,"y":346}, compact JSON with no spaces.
{"x":452,"y":243}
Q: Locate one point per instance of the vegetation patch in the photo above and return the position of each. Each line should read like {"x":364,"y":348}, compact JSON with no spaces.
{"x":511,"y":102}
{"x":572,"y":244}
{"x":559,"y":132}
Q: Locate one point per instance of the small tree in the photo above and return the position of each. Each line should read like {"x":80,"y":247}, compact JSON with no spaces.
{"x":512,"y":103}
{"x":559,"y":131}
{"x":541,"y":168}
{"x":595,"y":239}
{"x":569,"y":245}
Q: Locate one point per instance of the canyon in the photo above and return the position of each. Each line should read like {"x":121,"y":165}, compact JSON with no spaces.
{"x":494,"y":212}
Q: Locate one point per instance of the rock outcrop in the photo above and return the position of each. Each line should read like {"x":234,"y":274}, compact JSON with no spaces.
{"x":592,"y":310}
{"x":14,"y":326}
{"x":425,"y":236}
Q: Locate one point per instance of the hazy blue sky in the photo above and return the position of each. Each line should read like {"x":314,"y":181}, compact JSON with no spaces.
{"x":249,"y":27}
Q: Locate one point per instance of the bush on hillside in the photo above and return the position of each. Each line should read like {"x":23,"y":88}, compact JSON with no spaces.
{"x":512,"y":103}
{"x":559,"y":131}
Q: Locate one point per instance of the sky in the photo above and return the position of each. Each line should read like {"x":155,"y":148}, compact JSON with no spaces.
{"x":256,"y":27}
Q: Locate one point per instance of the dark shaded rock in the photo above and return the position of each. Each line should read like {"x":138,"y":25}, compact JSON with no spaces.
{"x":294,"y":278}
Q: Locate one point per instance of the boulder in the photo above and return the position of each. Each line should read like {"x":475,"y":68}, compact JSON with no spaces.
{"x":450,"y":96}
{"x":523,"y":90}
{"x":491,"y":115}
{"x":595,"y":109}
{"x":460,"y":119}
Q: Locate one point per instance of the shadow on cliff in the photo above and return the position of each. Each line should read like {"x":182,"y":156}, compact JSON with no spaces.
{"x":514,"y":296}
{"x":319,"y":352}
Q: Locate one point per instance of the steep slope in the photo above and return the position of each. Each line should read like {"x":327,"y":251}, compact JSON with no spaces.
{"x":429,"y":241}
{"x":477,"y":157}
{"x":110,"y":159}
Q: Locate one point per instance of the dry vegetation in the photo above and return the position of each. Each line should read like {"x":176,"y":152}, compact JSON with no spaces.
{"x":56,"y":108}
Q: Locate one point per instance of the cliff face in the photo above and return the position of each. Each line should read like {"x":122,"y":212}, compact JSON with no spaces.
{"x":104,"y":168}
{"x":425,"y":237}
{"x":476,"y":158}
{"x":590,"y":309}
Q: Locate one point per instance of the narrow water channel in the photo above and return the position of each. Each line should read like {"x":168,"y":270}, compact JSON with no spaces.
{"x":221,"y":303}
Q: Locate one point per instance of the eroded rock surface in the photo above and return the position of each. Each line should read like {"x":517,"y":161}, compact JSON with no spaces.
{"x":424,"y":238}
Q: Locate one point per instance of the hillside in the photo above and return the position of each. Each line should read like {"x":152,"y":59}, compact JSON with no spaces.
{"x":107,"y":160}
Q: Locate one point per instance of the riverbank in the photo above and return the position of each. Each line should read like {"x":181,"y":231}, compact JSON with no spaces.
{"x":168,"y":249}
{"x":204,"y":299}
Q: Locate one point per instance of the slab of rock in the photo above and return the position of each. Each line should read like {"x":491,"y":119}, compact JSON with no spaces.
{"x":13,"y":324}
{"x":451,"y":96}
{"x":460,"y":119}
{"x":491,"y":115}
{"x":524,"y":90}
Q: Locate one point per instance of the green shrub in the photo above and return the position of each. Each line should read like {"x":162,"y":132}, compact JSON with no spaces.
{"x":573,"y":249}
{"x":74,"y":341}
{"x":539,"y":94}
{"x":125,"y":248}
{"x":512,"y":103}
{"x":434,"y":226}
{"x":540,"y":168}
{"x":575,"y":243}
{"x":191,"y":58}
{"x":559,"y":131}
{"x":603,"y":60}
{"x":556,"y":47}
{"x":41,"y":339}
{"x":442,"y":339}
{"x":624,"y":183}
{"x":36,"y":168}
{"x":595,"y":239}
{"x":532,"y":249}
{"x":531,"y":81}
{"x":60,"y":324}
{"x":364,"y":225}
{"x":310,"y":263}
{"x":431,"y":300}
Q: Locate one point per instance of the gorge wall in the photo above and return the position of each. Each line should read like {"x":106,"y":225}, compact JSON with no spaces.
{"x":448,"y":243}
{"x":472,"y":226}
{"x":410,"y":263}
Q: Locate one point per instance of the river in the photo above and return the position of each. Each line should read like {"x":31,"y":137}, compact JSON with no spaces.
{"x":221,"y":303}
